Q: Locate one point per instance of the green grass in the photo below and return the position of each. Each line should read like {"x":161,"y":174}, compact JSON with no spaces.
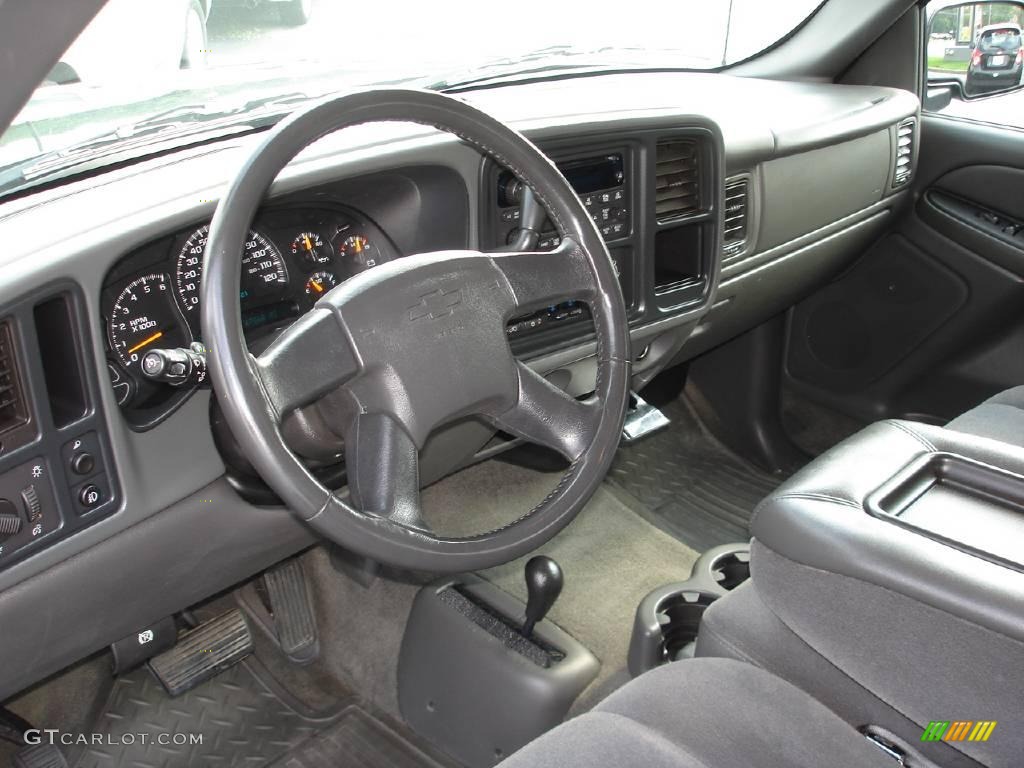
{"x":937,"y":62}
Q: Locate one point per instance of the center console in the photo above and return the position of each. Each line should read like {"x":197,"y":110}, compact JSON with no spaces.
{"x":888,"y":580}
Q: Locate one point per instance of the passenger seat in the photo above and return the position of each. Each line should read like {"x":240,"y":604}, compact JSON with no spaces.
{"x":1000,"y":417}
{"x":705,"y":713}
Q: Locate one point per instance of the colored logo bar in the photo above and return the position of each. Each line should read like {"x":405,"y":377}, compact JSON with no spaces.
{"x":959,"y":730}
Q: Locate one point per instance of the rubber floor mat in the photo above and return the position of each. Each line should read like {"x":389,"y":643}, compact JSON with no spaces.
{"x":240,"y":721}
{"x":691,"y":485}
{"x":356,"y":740}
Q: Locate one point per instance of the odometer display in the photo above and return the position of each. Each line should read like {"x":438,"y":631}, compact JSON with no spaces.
{"x":264,"y":275}
{"x":144,"y":317}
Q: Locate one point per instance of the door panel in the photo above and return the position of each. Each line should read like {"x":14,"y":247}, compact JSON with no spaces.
{"x":930,"y":321}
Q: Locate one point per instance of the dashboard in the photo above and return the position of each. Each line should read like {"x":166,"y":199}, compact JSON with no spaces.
{"x":294,"y":254}
{"x":718,"y":216}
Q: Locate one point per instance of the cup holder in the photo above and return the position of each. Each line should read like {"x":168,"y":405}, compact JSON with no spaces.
{"x":679,"y":618}
{"x":668,"y":619}
{"x":731,"y":570}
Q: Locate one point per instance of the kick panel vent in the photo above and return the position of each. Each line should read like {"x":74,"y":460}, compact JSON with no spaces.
{"x":736,"y":216}
{"x":13,"y":413}
{"x":677,"y":190}
{"x":904,"y":152}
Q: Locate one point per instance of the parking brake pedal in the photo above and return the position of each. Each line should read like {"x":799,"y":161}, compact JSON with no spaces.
{"x":202,"y":653}
{"x":642,"y":419}
{"x":292,"y":606}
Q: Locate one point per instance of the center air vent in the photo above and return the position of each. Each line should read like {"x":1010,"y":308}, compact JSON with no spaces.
{"x":736,"y":212}
{"x":677,"y":189}
{"x":13,"y":413}
{"x":904,"y":152}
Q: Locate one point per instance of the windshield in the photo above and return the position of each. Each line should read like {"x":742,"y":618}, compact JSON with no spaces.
{"x":145,"y":71}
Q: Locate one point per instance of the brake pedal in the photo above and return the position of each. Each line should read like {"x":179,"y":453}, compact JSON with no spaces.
{"x":202,"y":653}
{"x":292,"y":606}
{"x":642,"y":419}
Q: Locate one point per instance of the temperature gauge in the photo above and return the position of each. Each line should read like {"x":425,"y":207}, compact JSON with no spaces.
{"x":318,"y":284}
{"x":310,"y":248}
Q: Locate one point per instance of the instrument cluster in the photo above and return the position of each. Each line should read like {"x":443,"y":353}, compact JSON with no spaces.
{"x":292,"y":256}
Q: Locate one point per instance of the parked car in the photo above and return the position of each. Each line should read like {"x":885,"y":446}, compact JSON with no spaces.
{"x":292,"y":12}
{"x":997,"y":59}
{"x":129,"y":39}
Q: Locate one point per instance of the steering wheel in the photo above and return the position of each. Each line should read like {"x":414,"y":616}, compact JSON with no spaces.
{"x":394,"y":352}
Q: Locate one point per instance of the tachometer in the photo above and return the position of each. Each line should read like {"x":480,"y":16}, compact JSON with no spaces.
{"x":144,"y":317}
{"x":264,"y":274}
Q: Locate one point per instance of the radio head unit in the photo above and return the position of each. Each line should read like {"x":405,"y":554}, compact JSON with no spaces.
{"x":602,"y":185}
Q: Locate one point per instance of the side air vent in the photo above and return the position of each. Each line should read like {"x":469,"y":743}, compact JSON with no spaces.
{"x":677,"y":170}
{"x":734,"y":238}
{"x":904,"y":152}
{"x":13,"y":412}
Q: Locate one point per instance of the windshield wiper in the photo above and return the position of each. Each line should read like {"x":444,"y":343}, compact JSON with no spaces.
{"x":172,"y":125}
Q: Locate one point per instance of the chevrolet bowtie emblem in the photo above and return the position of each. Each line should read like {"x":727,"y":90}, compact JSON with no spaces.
{"x":436,"y":304}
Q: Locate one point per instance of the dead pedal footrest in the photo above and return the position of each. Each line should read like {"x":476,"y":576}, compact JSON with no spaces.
{"x":292,"y":606}
{"x":203,"y":653}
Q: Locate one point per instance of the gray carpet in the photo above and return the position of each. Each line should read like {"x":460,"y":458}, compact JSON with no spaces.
{"x":689,"y":484}
{"x":610,"y":555}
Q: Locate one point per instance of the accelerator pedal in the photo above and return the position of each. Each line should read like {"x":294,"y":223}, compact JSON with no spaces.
{"x":642,"y":419}
{"x":203,"y":652}
{"x":291,"y":604}
{"x":39,"y":756}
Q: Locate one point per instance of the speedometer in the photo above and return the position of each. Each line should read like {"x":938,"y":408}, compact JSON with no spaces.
{"x":264,"y":275}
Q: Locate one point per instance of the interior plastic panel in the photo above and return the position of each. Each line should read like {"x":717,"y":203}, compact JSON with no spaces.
{"x":204,"y":544}
{"x":816,"y":188}
{"x":968,"y":354}
{"x":857,"y":328}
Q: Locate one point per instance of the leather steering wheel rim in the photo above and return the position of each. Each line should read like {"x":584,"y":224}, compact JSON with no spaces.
{"x":351,"y":352}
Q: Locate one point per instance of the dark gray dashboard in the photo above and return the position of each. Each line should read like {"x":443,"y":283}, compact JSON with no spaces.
{"x":816,"y":162}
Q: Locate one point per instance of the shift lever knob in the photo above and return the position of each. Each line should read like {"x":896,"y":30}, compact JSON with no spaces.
{"x":543,"y":586}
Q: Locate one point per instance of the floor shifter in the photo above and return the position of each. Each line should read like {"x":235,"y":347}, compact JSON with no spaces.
{"x":480,"y":674}
{"x":642,"y":419}
{"x":543,"y":586}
